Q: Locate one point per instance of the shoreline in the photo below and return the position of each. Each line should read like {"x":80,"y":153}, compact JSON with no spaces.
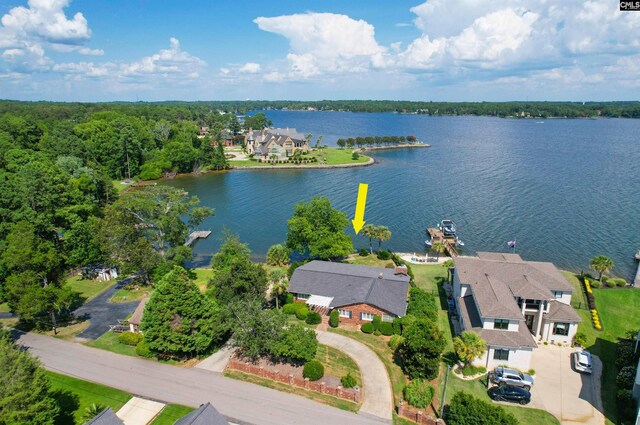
{"x":371,"y":161}
{"x":402,"y":146}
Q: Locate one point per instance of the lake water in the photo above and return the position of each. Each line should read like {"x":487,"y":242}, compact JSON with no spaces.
{"x":566,"y":190}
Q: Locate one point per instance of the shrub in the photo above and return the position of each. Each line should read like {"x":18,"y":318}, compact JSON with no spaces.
{"x":363,"y":252}
{"x":376,"y":322}
{"x":422,"y":304}
{"x":143,"y":350}
{"x":355,"y":156}
{"x":531,"y":372}
{"x":367,"y":328}
{"x":384,"y":255}
{"x":397,"y":326}
{"x":418,"y":393}
{"x":389,"y":266}
{"x":466,"y":409}
{"x":289,"y":308}
{"x":289,"y":298}
{"x":595,"y":284}
{"x":624,"y":396}
{"x":625,"y":355}
{"x":348,"y":381}
{"x":130,"y":338}
{"x":313,"y":370}
{"x":395,"y":342}
{"x":377,"y":333}
{"x":610,"y":283}
{"x":334,"y":319}
{"x":580,"y":339}
{"x":419,"y":355}
{"x":386,"y":328}
{"x":302,"y":313}
{"x":619,"y":282}
{"x":470,"y":370}
{"x":295,"y":343}
{"x":626,"y":377}
{"x":313,"y":318}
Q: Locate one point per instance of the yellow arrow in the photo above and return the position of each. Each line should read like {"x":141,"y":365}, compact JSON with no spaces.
{"x":358,"y":220}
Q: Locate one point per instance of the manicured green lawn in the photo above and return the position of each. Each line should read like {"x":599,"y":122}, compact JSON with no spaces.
{"x":337,"y":363}
{"x":369,"y":260}
{"x":202,"y":277}
{"x":75,"y":395}
{"x":382,"y":350}
{"x":109,"y":341}
{"x":131,"y":294}
{"x":88,"y":288}
{"x":170,"y":414}
{"x":428,"y":276}
{"x":335,"y":156}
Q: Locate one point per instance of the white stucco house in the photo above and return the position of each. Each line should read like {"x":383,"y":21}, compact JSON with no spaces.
{"x":513,"y":305}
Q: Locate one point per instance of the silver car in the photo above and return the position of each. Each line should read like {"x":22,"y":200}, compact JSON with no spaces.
{"x":582,"y":361}
{"x":512,"y":377}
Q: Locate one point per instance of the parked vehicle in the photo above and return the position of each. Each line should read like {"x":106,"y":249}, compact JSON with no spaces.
{"x":509,"y":393}
{"x":582,"y":361}
{"x":504,"y":376}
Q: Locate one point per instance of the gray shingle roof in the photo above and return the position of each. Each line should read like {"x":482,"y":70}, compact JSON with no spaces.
{"x":206,"y":414}
{"x":106,"y":417}
{"x":562,"y":312}
{"x":493,"y":337}
{"x":353,"y":284}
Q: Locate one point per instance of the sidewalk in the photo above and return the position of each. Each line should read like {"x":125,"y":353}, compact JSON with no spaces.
{"x":218,"y":360}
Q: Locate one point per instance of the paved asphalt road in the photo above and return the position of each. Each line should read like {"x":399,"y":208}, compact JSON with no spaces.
{"x":239,"y":401}
{"x":101,"y":313}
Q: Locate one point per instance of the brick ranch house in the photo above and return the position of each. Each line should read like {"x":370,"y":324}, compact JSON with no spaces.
{"x":357,"y":292}
{"x":511,"y":304}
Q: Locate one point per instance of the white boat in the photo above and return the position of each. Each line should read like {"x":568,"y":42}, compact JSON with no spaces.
{"x":428,"y":243}
{"x":459,"y":242}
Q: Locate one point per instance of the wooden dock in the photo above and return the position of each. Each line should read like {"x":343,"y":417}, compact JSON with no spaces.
{"x":436,"y":235}
{"x":194,"y":236}
{"x":636,"y":281}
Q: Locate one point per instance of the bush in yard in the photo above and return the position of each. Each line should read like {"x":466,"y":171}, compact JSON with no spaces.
{"x":397,"y":326}
{"x":334,"y":319}
{"x":363,"y":252}
{"x":313,"y":318}
{"x":395,"y":342}
{"x":367,"y":328}
{"x":418,"y":393}
{"x":377,"y":333}
{"x":376,"y":322}
{"x":386,"y":328}
{"x":348,"y":381}
{"x":289,"y":308}
{"x":610,"y":283}
{"x":143,"y":350}
{"x":313,"y":370}
{"x":302,"y":313}
{"x":130,"y":338}
{"x":580,"y":339}
{"x":466,"y":409}
{"x":619,"y":282}
{"x":625,"y":355}
{"x":384,"y":255}
{"x":422,"y":304}
{"x":355,"y":156}
{"x":626,"y":377}
{"x":295,"y":343}
{"x":595,"y":284}
{"x":289,"y":299}
{"x":420,"y":352}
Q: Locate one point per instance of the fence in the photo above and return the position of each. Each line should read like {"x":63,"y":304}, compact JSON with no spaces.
{"x":417,"y":415}
{"x":351,"y":394}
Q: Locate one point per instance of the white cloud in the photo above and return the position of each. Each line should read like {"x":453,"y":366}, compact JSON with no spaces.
{"x":250,"y":68}
{"x":171,"y":62}
{"x":326,"y":43}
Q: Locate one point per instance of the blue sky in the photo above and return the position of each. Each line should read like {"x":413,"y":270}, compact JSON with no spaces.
{"x":455,"y":50}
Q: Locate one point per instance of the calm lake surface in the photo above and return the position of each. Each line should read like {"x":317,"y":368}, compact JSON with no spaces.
{"x":566,"y":190}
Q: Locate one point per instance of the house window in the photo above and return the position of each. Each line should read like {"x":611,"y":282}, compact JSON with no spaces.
{"x":366,"y":316}
{"x":500,"y":354}
{"x":345,"y":313}
{"x":561,"y":329}
{"x":501,"y":324}
{"x":557,"y":294}
{"x":387,"y":317}
{"x":302,"y":296}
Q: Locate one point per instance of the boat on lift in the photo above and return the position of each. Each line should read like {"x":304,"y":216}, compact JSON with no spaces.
{"x":448,"y":228}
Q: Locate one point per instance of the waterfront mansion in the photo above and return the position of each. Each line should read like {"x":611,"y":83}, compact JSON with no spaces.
{"x":513,"y":305}
{"x":281,"y":142}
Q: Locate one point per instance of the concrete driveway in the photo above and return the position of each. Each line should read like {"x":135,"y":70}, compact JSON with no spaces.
{"x":570,"y":396}
{"x":102,"y":313}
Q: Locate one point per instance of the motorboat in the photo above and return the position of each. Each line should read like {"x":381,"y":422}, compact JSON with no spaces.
{"x":448,"y":228}
{"x":459,"y":242}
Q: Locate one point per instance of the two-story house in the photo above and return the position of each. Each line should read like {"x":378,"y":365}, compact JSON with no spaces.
{"x":282,"y":142}
{"x":511,"y":304}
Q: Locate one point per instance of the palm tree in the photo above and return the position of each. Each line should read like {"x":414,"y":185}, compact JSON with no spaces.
{"x":601,"y":264}
{"x":369,"y":231}
{"x":279,"y":284}
{"x":449,"y":264}
{"x":439,"y":248}
{"x":382,"y":234}
{"x":469,"y":346}
{"x":92,"y":411}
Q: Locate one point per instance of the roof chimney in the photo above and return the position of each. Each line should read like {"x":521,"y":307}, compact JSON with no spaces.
{"x":402,"y":269}
{"x":381,"y":276}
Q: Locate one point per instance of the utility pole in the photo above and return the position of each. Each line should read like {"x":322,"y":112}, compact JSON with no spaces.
{"x":444,"y":391}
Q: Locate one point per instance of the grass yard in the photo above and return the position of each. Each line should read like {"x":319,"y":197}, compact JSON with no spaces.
{"x":202,"y":277}
{"x":337,"y":363}
{"x":131,"y":293}
{"x":614,"y":307}
{"x":315,"y":396}
{"x":170,"y":414}
{"x":75,"y":395}
{"x":382,"y":350}
{"x":88,"y":288}
{"x":109,"y":341}
{"x":119,"y":187}
{"x":336,"y":156}
{"x":369,"y":260}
